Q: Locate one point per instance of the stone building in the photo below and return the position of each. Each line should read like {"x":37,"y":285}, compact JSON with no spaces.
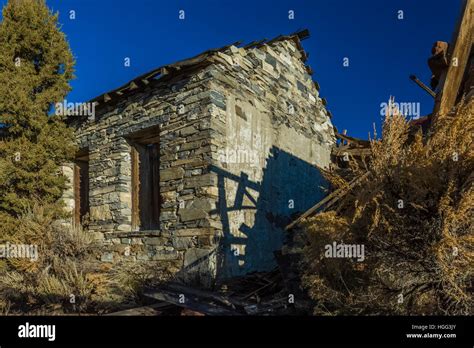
{"x":202,"y":162}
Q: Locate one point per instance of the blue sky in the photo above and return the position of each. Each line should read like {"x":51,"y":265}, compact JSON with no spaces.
{"x":382,"y":50}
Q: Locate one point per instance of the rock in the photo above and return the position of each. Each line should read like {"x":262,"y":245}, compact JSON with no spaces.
{"x":124,"y":228}
{"x":218,"y":100}
{"x":188,"y":131}
{"x":172,"y":174}
{"x":126,"y":240}
{"x":143,"y":257}
{"x":165,"y":255}
{"x":97,"y":236}
{"x":107,"y":257}
{"x":189,"y":214}
{"x":154,"y":241}
{"x":183,"y":243}
{"x":202,"y":180}
{"x":195,"y":255}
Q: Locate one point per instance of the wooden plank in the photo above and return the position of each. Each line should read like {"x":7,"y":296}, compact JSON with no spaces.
{"x":352,"y":151}
{"x":203,"y":294}
{"x":84,"y":187}
{"x":148,"y":233}
{"x":423,"y":86}
{"x":190,"y":302}
{"x":338,"y":193}
{"x":145,"y":204}
{"x":267,"y":307}
{"x":150,"y":310}
{"x":135,"y":188}
{"x":460,"y":48}
{"x":349,"y":139}
{"x":258,"y":290}
{"x":156,"y":195}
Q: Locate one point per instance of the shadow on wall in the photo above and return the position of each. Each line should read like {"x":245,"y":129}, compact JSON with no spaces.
{"x":289,"y":187}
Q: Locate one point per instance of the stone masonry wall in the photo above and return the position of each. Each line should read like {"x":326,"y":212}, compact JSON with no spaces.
{"x":272,"y":132}
{"x":181,"y":109}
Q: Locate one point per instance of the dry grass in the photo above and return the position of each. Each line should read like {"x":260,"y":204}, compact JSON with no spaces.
{"x":67,"y":277}
{"x":130,"y":279}
{"x":61,"y":279}
{"x":414,"y":215}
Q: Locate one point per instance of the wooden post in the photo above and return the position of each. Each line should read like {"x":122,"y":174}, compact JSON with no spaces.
{"x":156,"y":195}
{"x":77,"y":194}
{"x":458,"y":56}
{"x":135,"y":189}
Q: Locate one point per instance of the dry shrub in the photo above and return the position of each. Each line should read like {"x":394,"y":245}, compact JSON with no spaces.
{"x":130,"y":279}
{"x":67,"y":267}
{"x":61,"y":279}
{"x":414,"y":215}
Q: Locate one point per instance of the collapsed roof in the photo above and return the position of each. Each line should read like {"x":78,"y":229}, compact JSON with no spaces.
{"x":167,"y":71}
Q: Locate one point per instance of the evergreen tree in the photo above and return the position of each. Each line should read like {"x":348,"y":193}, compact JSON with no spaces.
{"x":36,"y":65}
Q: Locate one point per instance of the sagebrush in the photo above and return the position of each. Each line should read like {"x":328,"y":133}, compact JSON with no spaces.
{"x":414,"y":215}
